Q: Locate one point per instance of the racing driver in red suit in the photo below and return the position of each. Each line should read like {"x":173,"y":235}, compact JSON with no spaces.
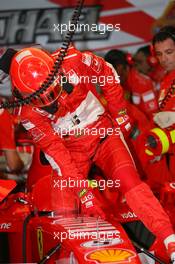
{"x":66,"y":121}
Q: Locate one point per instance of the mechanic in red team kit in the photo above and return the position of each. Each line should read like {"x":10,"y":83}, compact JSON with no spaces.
{"x":146,"y":63}
{"x":67,"y":121}
{"x":140,"y":86}
{"x":164,"y":47}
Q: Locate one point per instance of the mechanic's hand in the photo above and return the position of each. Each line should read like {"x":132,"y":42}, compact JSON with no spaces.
{"x":90,"y":204}
{"x":164,"y":119}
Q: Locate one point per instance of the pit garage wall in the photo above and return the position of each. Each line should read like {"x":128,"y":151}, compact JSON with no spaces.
{"x":23,"y":23}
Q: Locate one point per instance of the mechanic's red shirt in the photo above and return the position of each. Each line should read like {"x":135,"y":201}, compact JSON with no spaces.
{"x":142,"y":89}
{"x":157,"y":74}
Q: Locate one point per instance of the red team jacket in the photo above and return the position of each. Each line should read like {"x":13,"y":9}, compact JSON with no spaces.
{"x":142,"y":92}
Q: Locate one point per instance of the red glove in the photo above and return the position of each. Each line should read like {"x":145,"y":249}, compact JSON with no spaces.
{"x":89,"y":204}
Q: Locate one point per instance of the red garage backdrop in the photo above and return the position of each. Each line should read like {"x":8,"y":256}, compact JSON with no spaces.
{"x":26,"y":22}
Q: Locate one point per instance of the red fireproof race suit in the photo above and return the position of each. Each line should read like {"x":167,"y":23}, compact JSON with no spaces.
{"x":71,"y":151}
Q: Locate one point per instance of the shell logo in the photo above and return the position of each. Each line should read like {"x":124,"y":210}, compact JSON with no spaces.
{"x":111,"y":255}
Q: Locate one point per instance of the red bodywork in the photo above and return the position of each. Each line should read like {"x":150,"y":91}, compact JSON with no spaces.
{"x":43,"y":218}
{"x":82,"y":239}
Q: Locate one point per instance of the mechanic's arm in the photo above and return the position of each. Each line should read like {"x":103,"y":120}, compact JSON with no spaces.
{"x":14,"y":162}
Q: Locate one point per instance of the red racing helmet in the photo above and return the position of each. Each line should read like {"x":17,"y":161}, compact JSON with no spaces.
{"x":29,"y":69}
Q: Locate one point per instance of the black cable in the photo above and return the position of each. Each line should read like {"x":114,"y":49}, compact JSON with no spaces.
{"x":168,"y":95}
{"x":24,"y":237}
{"x":57,"y":64}
{"x":146,"y":252}
{"x":45,"y":85}
{"x":51,"y":252}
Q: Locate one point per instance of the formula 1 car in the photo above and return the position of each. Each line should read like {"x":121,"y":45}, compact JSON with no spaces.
{"x":43,"y":226}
